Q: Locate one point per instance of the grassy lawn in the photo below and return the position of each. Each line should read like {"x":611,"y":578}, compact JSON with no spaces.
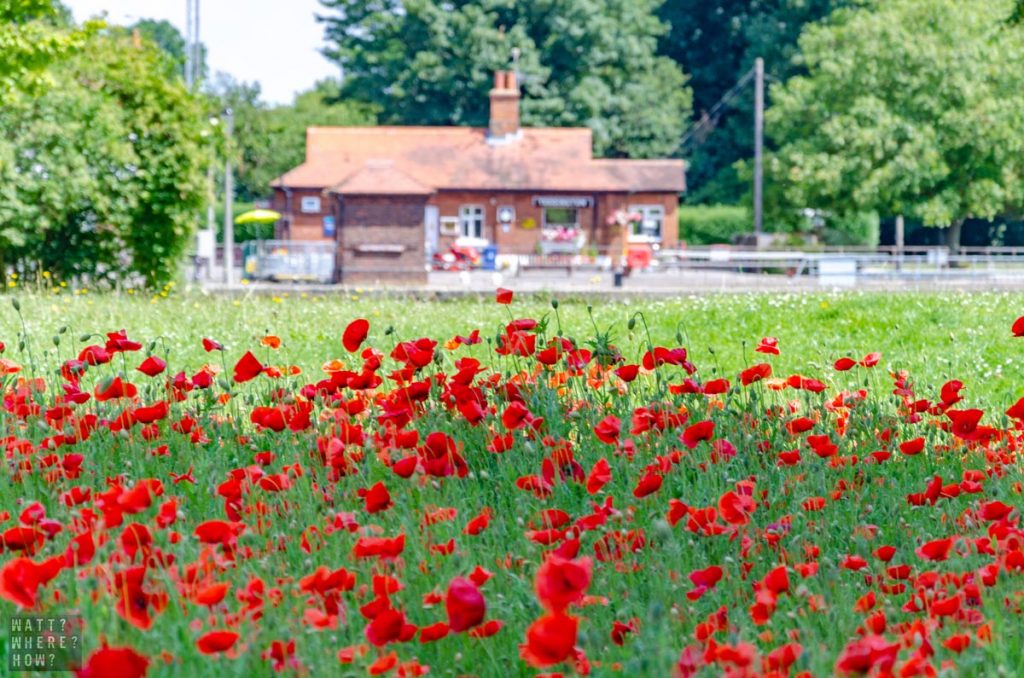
{"x":283,"y":500}
{"x":935,"y":337}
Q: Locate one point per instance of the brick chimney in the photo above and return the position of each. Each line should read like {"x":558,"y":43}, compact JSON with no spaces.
{"x":504,"y":106}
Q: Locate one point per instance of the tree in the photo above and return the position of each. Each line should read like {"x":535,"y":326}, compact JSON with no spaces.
{"x":103,"y":173}
{"x":33,"y":34}
{"x":583,"y":62}
{"x":270,"y":140}
{"x":716,"y":42}
{"x":167,"y":37}
{"x":908,"y":107}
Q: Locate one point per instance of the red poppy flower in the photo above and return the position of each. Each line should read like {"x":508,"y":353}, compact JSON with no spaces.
{"x":703,"y":581}
{"x":1018,"y":327}
{"x":627,"y":373}
{"x":844,"y":364}
{"x":868,"y":654}
{"x":621,"y":629}
{"x":755,"y":373}
{"x":936,"y":550}
{"x":503,"y":296}
{"x":960,"y":641}
{"x":383,"y":664}
{"x":465,"y":605}
{"x":608,"y":429}
{"x":487,"y":629}
{"x":735,"y":508}
{"x":912,"y":447}
{"x":870,"y":360}
{"x":214,"y":642}
{"x":247,"y":368}
{"x":212,"y":345}
{"x":694,"y":433}
{"x":152,"y":366}
{"x":649,"y":483}
{"x":769,"y":345}
{"x":377,"y":498}
{"x":549,"y":640}
{"x":123,"y":662}
{"x":600,"y":474}
{"x":561,"y":582}
{"x":21,"y":578}
{"x":355,"y":334}
{"x":781,"y":658}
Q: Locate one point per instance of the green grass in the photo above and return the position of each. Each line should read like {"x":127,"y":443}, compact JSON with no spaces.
{"x":934,"y":337}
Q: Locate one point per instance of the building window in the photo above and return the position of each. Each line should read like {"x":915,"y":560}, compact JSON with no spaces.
{"x":561,"y":218}
{"x":471,"y":221}
{"x":310,"y":204}
{"x":648,"y":227}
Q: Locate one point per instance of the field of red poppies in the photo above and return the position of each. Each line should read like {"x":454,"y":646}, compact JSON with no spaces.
{"x":538,"y":497}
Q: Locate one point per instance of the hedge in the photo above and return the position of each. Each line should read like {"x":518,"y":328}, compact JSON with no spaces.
{"x":712,"y":224}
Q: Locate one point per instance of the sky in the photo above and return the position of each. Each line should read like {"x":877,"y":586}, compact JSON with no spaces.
{"x":274,"y":42}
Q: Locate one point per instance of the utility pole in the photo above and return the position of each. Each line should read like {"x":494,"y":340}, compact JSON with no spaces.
{"x":229,"y":194}
{"x":193,"y":52}
{"x":196,"y":51}
{"x":758,"y":146}
{"x":188,"y":44}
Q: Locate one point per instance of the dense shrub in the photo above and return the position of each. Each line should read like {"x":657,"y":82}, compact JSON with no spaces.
{"x":712,"y":224}
{"x":861,"y":229}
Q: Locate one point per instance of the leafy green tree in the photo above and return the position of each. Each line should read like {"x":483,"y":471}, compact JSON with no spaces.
{"x":716,"y":42}
{"x":103,"y":173}
{"x":167,"y":37}
{"x":33,"y":34}
{"x":908,"y":107}
{"x":583,"y":62}
{"x":270,"y":140}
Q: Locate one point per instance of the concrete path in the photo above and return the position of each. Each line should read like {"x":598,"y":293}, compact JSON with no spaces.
{"x":662,"y":284}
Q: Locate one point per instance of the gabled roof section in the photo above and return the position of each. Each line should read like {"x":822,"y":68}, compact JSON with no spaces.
{"x":380,"y":177}
{"x":460,"y":158}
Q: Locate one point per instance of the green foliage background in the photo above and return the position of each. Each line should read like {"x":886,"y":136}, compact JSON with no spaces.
{"x":590,"y":63}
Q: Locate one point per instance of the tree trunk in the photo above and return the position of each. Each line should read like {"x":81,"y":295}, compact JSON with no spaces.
{"x":953,"y":236}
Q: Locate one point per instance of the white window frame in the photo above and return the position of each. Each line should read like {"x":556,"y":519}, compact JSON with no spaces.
{"x":310,"y":204}
{"x":471,"y":216}
{"x":646,"y":212}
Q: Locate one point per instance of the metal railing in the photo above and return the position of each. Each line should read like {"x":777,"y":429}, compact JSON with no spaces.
{"x":910,"y":263}
{"x":289,"y":260}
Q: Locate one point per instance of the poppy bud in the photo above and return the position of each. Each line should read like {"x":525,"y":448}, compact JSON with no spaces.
{"x":84,"y":337}
{"x":224,"y":384}
{"x":554,"y":304}
{"x":62,"y":329}
{"x":389,"y":331}
{"x":631,"y":324}
{"x":152,"y":345}
{"x":56,"y":340}
{"x":16,"y":304}
{"x":679,"y":338}
{"x":21,"y":345}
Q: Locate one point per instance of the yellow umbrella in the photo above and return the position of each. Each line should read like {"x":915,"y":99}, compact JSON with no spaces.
{"x":258,"y":217}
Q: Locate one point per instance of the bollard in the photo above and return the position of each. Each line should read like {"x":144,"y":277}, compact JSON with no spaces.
{"x":617,"y":278}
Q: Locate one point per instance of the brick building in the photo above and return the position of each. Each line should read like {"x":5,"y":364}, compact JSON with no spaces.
{"x":392,"y":196}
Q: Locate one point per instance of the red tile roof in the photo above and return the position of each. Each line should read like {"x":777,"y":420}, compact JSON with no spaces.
{"x":377,"y":177}
{"x":348,"y":159}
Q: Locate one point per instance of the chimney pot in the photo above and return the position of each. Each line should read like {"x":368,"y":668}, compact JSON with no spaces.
{"x":504,"y":121}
